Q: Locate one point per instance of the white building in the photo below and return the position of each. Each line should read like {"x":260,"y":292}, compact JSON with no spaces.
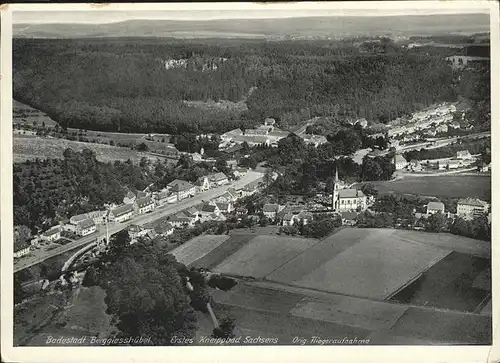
{"x":86,"y":227}
{"x":52,"y":234}
{"x":464,"y":155}
{"x":182,"y":188}
{"x":399,"y":162}
{"x":271,"y":210}
{"x":122,"y":213}
{"x":129,"y":198}
{"x":165,"y":230}
{"x":22,"y":251}
{"x":345,"y":200}
{"x":469,"y":208}
{"x":435,"y":207}
{"x":144,"y":205}
{"x":218,"y":179}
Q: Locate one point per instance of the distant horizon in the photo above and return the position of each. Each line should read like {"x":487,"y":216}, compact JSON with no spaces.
{"x":112,"y":17}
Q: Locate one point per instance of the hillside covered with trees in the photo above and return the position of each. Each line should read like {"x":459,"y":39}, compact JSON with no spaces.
{"x":123,"y":84}
{"x":47,"y":191}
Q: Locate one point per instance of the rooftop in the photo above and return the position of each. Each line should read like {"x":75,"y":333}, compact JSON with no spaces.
{"x":217,"y":177}
{"x":399,"y":159}
{"x":270,"y":207}
{"x":350,"y":193}
{"x":143,"y":202}
{"x":124,"y":209}
{"x":436,"y":206}
{"x":52,"y":231}
{"x":86,"y":223}
{"x":473,"y":201}
{"x":179,"y":185}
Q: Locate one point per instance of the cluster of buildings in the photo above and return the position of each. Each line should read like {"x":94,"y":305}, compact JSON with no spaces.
{"x":211,"y":65}
{"x":467,"y":208}
{"x":266,"y":134}
{"x":462,"y":159}
{"x":431,"y":121}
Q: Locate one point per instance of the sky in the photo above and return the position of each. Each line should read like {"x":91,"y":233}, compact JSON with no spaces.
{"x":247,"y":11}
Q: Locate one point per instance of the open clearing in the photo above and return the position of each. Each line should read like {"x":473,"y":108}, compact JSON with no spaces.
{"x":197,"y":247}
{"x":460,"y":282}
{"x":263,"y":254}
{"x":273,"y":310}
{"x":446,"y":186}
{"x":373,"y":269}
{"x":30,"y":148}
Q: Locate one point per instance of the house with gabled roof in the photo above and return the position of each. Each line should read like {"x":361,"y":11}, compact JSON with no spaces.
{"x":52,"y":234}
{"x":202,"y":183}
{"x":225,"y":207}
{"x":144,"y":205}
{"x":469,"y":208}
{"x":129,"y":198}
{"x":165,"y":229}
{"x":181,"y":220}
{"x":121,"y":213}
{"x":209,"y":208}
{"x":182,"y":188}
{"x":86,"y":227}
{"x":218,"y":179}
{"x":271,"y":210}
{"x":399,"y":162}
{"x":435,"y":207}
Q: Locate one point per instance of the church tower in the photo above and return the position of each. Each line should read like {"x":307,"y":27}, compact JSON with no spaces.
{"x":336,"y":188}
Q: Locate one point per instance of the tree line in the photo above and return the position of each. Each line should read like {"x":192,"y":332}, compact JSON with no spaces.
{"x":124,"y":86}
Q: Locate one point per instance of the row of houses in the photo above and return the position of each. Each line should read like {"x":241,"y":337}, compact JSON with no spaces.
{"x":438,"y":118}
{"x":175,"y":191}
{"x":463,"y":158}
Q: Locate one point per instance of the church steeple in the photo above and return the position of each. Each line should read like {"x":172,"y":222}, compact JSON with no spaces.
{"x":336,"y":187}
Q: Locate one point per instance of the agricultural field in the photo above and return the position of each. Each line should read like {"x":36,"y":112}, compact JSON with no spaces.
{"x":268,"y":309}
{"x":460,"y":282}
{"x":30,"y":148}
{"x":26,"y":115}
{"x":370,"y":263}
{"x":445,"y":186}
{"x":373,"y":268}
{"x":264,"y":254}
{"x":197,"y":247}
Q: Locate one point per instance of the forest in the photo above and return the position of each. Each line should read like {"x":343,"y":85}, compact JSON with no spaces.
{"x":123,"y":85}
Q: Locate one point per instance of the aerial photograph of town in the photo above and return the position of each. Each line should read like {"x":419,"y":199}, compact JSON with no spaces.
{"x":251,"y":178}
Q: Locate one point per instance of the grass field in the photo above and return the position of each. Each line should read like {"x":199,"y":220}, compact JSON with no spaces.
{"x":446,"y":186}
{"x":273,"y":310}
{"x":372,"y":269}
{"x":317,"y":255}
{"x":444,"y":326}
{"x":30,"y":148}
{"x":450,"y":284}
{"x":228,"y":247}
{"x":25,"y":115}
{"x":197,"y":247}
{"x":263,"y":254}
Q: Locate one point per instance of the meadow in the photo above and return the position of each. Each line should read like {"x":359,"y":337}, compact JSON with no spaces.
{"x":30,"y":148}
{"x":446,"y":186}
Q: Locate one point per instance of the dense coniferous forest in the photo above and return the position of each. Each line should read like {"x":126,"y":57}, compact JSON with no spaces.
{"x":123,"y":84}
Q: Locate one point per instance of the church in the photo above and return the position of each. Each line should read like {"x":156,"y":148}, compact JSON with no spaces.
{"x":345,"y":200}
